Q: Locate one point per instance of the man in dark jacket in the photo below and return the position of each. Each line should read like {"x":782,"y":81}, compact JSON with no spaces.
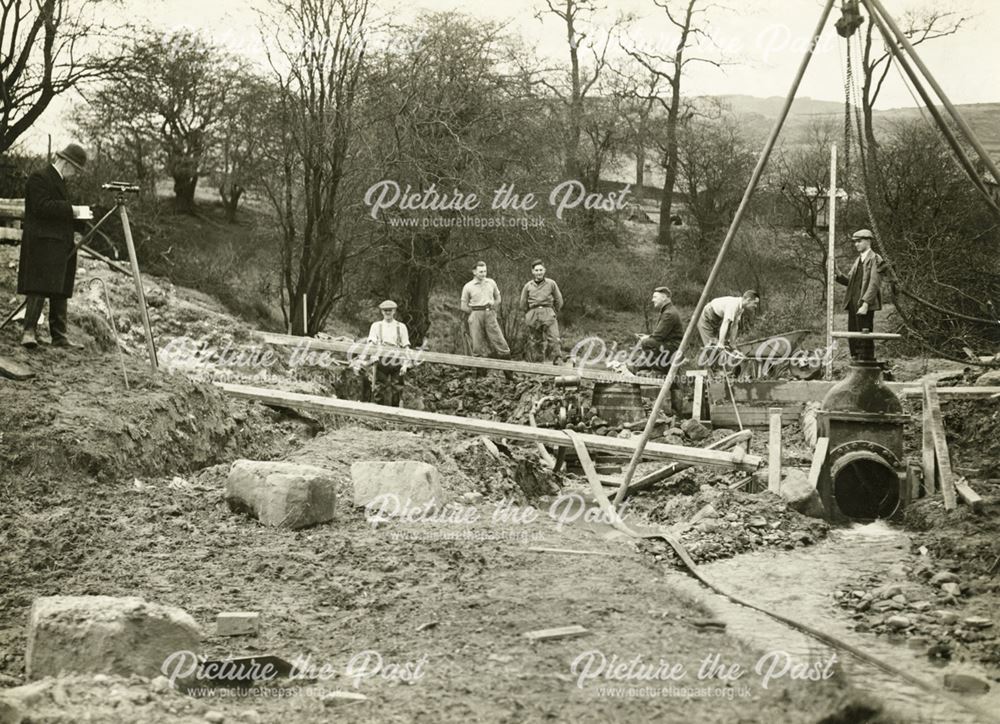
{"x":47,"y":267}
{"x":656,"y":350}
{"x":864,"y":293}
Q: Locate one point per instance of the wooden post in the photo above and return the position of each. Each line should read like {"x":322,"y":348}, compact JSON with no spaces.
{"x":927,"y":451}
{"x":830,"y":258}
{"x":150,"y":345}
{"x":819,"y":457}
{"x":774,"y":451}
{"x":940,"y":446}
{"x":698,"y":403}
{"x":305,"y":317}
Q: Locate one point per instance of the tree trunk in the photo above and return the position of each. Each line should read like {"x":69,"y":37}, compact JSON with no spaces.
{"x":231,"y":201}
{"x":640,"y":173}
{"x":184,"y":186}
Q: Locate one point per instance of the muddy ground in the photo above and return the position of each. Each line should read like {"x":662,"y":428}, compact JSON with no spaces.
{"x":120,"y":492}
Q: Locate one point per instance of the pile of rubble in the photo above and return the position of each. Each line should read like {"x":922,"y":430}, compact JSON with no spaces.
{"x":717,"y":522}
{"x":934,"y":609}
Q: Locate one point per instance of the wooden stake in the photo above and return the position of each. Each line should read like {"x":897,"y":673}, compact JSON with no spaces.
{"x":940,"y":446}
{"x":831,"y":255}
{"x":697,"y":405}
{"x":927,"y":450}
{"x":819,"y":457}
{"x":774,"y":452}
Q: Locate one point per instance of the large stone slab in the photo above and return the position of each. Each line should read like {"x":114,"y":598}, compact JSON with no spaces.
{"x":105,"y":634}
{"x":397,"y":484}
{"x":283,"y":495}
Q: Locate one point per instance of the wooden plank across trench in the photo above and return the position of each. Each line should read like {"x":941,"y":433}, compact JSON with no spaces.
{"x":310,"y":344}
{"x":490,"y":428}
{"x":766,"y":391}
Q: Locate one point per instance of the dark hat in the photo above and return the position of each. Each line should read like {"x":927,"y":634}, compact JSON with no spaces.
{"x":387,"y":304}
{"x":863,"y":234}
{"x":75,"y":154}
{"x":663,"y":290}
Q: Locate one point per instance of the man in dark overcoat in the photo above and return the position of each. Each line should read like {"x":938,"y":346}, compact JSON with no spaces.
{"x":47,"y":267}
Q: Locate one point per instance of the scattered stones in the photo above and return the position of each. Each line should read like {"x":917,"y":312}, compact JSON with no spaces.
{"x":160,"y":685}
{"x":898,"y":623}
{"x":757,"y":521}
{"x":946,"y":617}
{"x":694,"y":430}
{"x":920,"y":605}
{"x":952,"y":589}
{"x":281,"y":495}
{"x":977,"y":622}
{"x":886,"y":605}
{"x":104,"y":634}
{"x":237,"y":623}
{"x":965,"y":684}
{"x":800,"y":495}
{"x":401,"y":484}
{"x":943,"y":577}
{"x":214,"y":717}
{"x":888,"y":591}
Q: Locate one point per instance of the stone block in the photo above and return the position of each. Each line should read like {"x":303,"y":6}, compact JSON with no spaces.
{"x":105,"y":634}
{"x":281,"y":495}
{"x":396,"y":486}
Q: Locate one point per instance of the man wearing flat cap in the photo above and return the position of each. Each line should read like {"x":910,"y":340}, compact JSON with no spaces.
{"x":385,"y":377}
{"x":47,"y":266}
{"x":656,"y":350}
{"x":864,"y":293}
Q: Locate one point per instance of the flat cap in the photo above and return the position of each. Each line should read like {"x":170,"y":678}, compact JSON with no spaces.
{"x":663,"y":290}
{"x":863,"y":234}
{"x":387,"y":304}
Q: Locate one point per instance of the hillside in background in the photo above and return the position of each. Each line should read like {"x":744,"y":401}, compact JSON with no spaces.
{"x":758,"y":116}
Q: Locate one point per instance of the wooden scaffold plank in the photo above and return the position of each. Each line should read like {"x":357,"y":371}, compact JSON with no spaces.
{"x":491,"y":428}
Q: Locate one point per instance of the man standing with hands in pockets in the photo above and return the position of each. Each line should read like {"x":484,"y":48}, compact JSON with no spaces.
{"x":480,"y":298}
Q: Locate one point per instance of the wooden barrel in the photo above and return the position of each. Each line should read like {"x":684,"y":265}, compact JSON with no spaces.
{"x":618,"y":403}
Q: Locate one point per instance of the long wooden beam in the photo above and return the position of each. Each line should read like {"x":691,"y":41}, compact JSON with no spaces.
{"x":490,"y":428}
{"x":766,"y":391}
{"x":309,"y":344}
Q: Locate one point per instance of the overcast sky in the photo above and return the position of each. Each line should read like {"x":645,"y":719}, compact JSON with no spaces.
{"x":764,"y":39}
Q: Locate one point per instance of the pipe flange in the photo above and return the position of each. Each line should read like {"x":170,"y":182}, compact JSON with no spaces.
{"x":865,"y":446}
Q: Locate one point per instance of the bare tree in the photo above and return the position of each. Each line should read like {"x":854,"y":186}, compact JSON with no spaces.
{"x":47,"y":49}
{"x":316,"y":49}
{"x":876,"y":59}
{"x":689,"y":18}
{"x":578,"y":18}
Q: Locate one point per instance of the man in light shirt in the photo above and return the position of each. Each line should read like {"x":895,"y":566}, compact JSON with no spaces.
{"x":480,"y":298}
{"x":719,"y":323}
{"x":385,"y":376}
{"x":541,"y":301}
{"x":864,"y":293}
